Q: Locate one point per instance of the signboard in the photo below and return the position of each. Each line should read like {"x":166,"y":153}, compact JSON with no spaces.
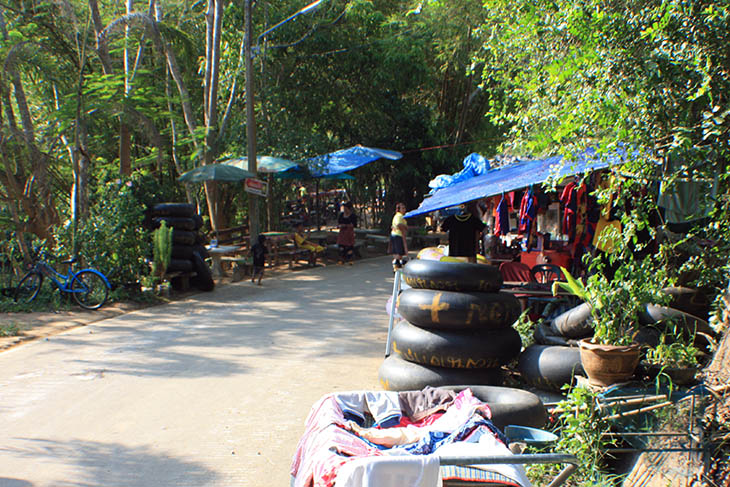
{"x":256,"y":186}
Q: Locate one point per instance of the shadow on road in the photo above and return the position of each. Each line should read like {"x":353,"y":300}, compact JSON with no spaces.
{"x":109,"y":464}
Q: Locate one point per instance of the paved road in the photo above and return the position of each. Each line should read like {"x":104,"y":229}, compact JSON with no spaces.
{"x":209,"y":391}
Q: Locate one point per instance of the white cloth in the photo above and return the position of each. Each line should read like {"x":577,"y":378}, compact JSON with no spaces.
{"x":390,"y":471}
{"x":382,"y":405}
{"x":487,"y":445}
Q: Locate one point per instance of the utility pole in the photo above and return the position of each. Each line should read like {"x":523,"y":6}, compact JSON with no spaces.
{"x":253,"y":217}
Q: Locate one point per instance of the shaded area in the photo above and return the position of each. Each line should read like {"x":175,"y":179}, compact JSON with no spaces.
{"x":110,"y":464}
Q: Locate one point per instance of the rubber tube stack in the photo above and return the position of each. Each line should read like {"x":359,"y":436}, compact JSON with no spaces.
{"x":457,"y":327}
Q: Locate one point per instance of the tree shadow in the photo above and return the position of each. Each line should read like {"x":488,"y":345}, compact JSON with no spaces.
{"x":316,"y":304}
{"x":111,"y":464}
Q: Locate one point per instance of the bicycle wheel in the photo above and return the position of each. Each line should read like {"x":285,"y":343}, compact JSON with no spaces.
{"x":89,"y":290}
{"x":28,"y":287}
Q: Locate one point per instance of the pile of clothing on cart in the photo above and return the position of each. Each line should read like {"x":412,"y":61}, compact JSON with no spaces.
{"x":358,"y":439}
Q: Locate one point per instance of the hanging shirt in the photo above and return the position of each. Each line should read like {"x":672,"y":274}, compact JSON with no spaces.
{"x":501,"y":226}
{"x":463,"y":231}
{"x":528,"y":212}
{"x":568,"y":200}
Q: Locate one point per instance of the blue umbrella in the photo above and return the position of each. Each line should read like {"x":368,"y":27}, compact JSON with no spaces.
{"x":348,"y":159}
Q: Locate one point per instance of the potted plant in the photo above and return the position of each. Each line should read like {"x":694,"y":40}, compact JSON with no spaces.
{"x":674,"y":357}
{"x":161,"y":253}
{"x":612,"y":354}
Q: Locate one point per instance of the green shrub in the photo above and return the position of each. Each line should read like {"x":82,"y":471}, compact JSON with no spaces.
{"x":113,"y":237}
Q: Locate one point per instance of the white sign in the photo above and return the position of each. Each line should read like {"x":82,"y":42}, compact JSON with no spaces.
{"x":256,"y":186}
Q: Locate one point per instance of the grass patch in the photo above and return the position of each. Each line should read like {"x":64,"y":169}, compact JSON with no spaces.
{"x":11,"y":329}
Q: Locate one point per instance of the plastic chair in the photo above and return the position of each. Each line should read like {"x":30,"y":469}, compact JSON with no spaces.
{"x":545,"y":273}
{"x":516,"y":271}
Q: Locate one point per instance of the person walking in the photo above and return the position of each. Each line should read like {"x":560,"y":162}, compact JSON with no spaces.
{"x":347,"y":221}
{"x":259,"y":252}
{"x":398,"y":233}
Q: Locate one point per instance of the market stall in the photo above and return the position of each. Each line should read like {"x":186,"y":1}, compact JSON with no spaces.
{"x":535,"y":226}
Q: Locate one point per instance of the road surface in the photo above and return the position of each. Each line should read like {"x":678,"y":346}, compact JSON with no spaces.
{"x":209,"y":391}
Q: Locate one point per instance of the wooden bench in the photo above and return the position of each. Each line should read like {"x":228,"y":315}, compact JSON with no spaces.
{"x":179,"y":281}
{"x":232,"y":236}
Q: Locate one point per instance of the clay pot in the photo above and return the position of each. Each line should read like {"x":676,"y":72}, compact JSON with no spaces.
{"x":680,"y":376}
{"x":608,"y":364}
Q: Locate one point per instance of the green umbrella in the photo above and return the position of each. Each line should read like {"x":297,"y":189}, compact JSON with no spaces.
{"x":267,"y":164}
{"x":215,"y":172}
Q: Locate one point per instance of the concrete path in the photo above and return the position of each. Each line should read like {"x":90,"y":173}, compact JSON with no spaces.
{"x":209,"y":391}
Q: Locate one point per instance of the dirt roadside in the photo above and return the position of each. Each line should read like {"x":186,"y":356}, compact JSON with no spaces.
{"x":34,"y":326}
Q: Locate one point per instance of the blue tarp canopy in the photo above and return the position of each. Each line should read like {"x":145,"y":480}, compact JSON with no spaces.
{"x":518,"y":175}
{"x":474,"y":165}
{"x":348,"y":159}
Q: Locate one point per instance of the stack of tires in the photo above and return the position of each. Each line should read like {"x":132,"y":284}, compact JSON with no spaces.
{"x":188,"y":245}
{"x":457,"y":327}
{"x":554,"y":360}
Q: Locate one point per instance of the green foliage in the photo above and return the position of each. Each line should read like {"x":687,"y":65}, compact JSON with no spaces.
{"x":10,"y":329}
{"x":617,"y":302}
{"x":113,"y":236}
{"x":162,"y":248}
{"x":673,"y":350}
{"x":581,"y":430}
{"x":526,"y":328}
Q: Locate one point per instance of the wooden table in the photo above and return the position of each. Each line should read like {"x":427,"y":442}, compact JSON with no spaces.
{"x":216,"y":254}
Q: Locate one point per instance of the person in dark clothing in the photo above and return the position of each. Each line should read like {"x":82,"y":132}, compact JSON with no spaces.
{"x":347,"y":221}
{"x":259,"y":252}
{"x":464,"y":232}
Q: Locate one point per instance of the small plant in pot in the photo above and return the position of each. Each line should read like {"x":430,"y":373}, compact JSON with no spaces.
{"x":612,"y":354}
{"x":674,"y":357}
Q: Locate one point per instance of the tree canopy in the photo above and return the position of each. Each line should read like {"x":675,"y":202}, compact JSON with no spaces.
{"x":91,"y":90}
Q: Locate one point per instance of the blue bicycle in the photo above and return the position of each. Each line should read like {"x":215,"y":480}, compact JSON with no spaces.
{"x":89,"y":287}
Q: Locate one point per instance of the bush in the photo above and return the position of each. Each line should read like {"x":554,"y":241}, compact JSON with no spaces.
{"x":113,"y":238}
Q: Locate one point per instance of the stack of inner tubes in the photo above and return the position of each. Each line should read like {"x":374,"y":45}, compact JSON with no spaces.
{"x":188,"y":244}
{"x":554,"y":360}
{"x":457,"y":327}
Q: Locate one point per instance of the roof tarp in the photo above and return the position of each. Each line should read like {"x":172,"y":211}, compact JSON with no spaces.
{"x":348,"y":159}
{"x":518,"y":175}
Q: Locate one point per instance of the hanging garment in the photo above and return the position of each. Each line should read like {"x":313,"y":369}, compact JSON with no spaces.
{"x":501,"y":226}
{"x":568,"y":200}
{"x":463,"y":231}
{"x":528,"y":213}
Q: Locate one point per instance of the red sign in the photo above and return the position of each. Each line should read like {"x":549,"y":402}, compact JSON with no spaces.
{"x":256,"y":186}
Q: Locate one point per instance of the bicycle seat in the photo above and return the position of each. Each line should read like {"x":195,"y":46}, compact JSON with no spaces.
{"x":69,"y":261}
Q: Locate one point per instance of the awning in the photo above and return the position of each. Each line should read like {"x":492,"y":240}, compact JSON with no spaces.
{"x":518,"y":175}
{"x":348,"y":159}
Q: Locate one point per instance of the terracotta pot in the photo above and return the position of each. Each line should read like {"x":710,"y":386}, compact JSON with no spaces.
{"x":608,"y":364}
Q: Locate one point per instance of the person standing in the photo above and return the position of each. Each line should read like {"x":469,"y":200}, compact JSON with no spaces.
{"x":259,"y":252}
{"x":398,"y":234}
{"x":464,"y":231}
{"x":347,"y":221}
